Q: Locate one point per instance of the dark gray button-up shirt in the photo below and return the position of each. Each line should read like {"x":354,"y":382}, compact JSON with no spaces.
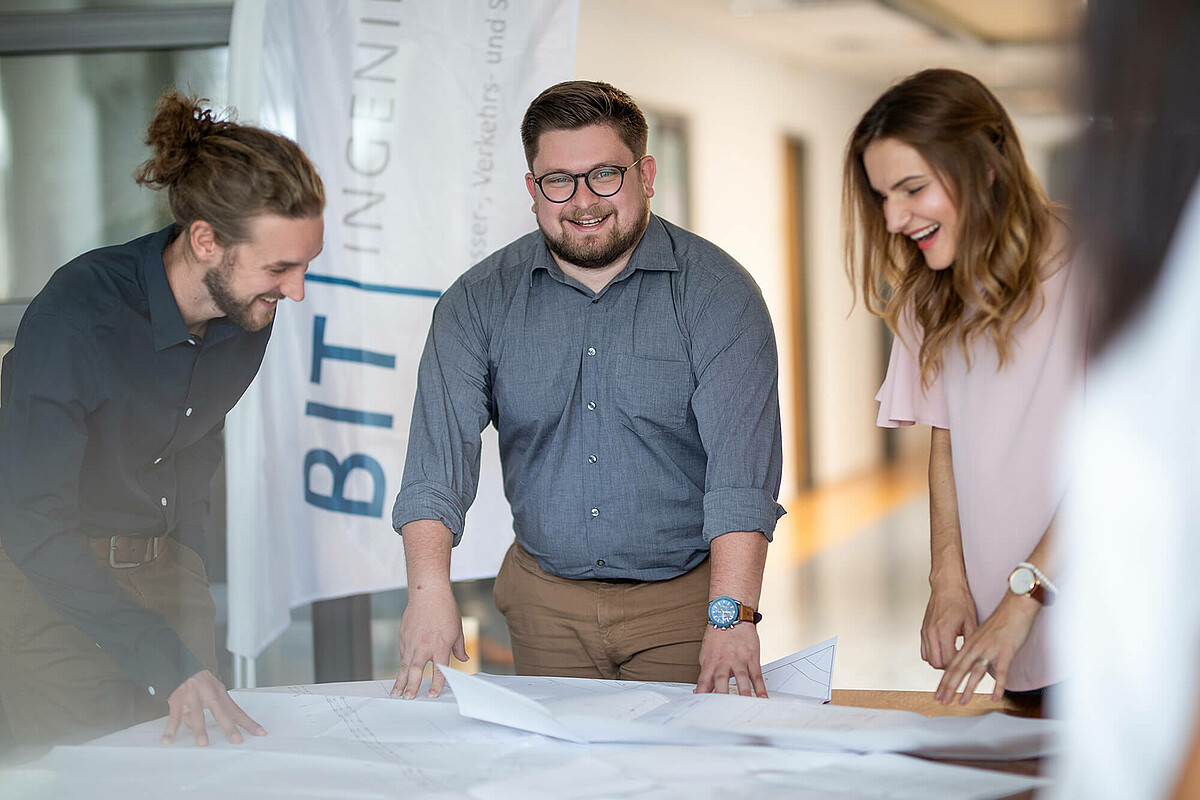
{"x":110,"y":424}
{"x":636,"y":424}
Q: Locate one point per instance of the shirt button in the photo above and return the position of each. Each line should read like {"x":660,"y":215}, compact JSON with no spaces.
{"x":191,"y":341}
{"x":150,"y":689}
{"x":591,"y":405}
{"x":591,"y":459}
{"x":591,"y":351}
{"x":595,"y":512}
{"x":187,"y":413}
{"x":599,"y":562}
{"x":164,"y":502}
{"x":158,"y":461}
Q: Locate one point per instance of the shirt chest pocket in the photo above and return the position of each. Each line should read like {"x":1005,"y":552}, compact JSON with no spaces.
{"x":533,"y":389}
{"x":652,"y":395}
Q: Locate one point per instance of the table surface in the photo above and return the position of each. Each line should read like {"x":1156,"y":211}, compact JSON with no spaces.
{"x":923,"y":703}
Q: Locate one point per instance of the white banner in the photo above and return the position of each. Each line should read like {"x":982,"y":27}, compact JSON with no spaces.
{"x":410,"y":110}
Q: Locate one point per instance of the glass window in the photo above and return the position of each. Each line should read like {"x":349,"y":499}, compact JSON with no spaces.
{"x":71,"y":135}
{"x":668,"y":145}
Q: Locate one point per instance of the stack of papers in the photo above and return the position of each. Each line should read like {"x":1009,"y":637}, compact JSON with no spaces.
{"x":493,"y":737}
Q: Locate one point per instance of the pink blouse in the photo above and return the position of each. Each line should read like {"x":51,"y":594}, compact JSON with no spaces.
{"x":1005,"y":429}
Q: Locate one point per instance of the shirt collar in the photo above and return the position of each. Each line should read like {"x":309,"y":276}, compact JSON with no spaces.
{"x":653,"y":253}
{"x":165,"y":317}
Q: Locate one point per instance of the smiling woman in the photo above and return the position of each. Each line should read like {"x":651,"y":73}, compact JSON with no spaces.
{"x":916,"y":201}
{"x":945,"y":127}
{"x":965,"y":257}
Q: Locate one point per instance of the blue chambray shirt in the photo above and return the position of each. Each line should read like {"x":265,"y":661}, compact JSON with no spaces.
{"x":635,"y":424}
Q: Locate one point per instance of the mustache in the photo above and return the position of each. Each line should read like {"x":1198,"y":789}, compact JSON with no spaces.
{"x":593,"y":212}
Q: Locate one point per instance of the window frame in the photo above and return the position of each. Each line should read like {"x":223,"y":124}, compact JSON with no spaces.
{"x":91,"y":31}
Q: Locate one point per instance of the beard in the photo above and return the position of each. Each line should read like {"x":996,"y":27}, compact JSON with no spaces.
{"x":593,"y":253}
{"x":240,"y":312}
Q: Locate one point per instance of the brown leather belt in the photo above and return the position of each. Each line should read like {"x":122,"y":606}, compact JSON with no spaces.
{"x":123,"y":552}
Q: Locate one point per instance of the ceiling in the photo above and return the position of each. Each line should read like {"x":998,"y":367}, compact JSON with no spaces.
{"x":1021,"y":48}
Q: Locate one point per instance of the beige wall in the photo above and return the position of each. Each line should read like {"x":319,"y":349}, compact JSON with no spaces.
{"x":740,"y":107}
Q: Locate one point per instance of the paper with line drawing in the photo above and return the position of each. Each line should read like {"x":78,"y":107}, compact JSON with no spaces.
{"x":808,"y":673}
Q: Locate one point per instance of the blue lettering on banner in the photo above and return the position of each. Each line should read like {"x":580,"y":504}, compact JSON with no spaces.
{"x":322,"y":351}
{"x":336,"y":500}
{"x":348,"y":415}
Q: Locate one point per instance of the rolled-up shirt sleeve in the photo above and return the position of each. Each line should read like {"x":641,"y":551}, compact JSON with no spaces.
{"x":450,"y":411}
{"x":43,"y":438}
{"x":736,"y":403}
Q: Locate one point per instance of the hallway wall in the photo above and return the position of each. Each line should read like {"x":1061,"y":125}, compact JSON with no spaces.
{"x":740,"y":105}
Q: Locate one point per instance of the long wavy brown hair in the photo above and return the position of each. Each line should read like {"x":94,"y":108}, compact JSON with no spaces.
{"x":1005,"y":219}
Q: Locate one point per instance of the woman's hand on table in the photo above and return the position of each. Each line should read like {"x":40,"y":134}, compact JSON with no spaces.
{"x":990,"y":648}
{"x":949,"y":614}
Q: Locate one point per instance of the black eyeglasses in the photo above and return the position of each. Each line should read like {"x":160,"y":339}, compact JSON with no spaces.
{"x":604,"y":181}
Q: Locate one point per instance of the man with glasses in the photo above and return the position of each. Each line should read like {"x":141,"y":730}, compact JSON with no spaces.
{"x":630,"y":369}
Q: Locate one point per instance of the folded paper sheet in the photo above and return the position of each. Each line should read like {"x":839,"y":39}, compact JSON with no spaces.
{"x":671,"y":714}
{"x":808,"y":673}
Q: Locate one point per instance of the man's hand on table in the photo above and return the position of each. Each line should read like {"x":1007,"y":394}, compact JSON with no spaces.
{"x":430,"y":630}
{"x":204,"y":691}
{"x":731,"y":653}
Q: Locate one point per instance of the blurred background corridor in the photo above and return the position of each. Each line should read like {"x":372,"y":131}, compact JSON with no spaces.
{"x":750,"y":103}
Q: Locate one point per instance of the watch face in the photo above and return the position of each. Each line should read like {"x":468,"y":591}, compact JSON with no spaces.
{"x":1021,"y":581}
{"x":722,"y":612}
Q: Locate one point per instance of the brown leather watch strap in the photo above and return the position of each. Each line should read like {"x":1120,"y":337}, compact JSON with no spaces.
{"x":748,"y":614}
{"x":1041,"y":593}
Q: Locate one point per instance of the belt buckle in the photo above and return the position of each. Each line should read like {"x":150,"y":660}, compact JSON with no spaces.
{"x":112,"y":553}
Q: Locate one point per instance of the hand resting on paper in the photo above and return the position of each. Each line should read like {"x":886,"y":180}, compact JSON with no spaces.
{"x":430,"y":630}
{"x":204,"y":691}
{"x":732,"y":653}
{"x":738,"y":559}
{"x":431,"y":627}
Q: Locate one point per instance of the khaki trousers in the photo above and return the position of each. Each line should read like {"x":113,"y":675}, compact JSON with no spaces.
{"x":642,"y":631}
{"x":57,"y":686}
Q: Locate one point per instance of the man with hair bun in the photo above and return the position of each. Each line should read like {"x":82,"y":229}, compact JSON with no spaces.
{"x":630,"y":369}
{"x":112,"y":402}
